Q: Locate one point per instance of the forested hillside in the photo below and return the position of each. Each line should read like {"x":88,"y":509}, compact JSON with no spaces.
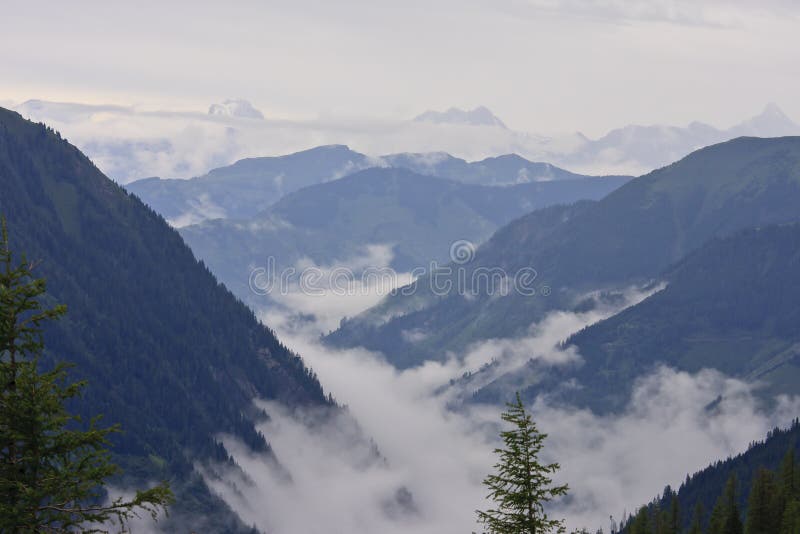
{"x":766,"y":484}
{"x":730,"y":306}
{"x":168,"y":352}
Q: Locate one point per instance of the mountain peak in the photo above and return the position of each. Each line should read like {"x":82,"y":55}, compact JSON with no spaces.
{"x":772,"y":110}
{"x":771,"y":122}
{"x":236,"y":107}
{"x":480,"y":116}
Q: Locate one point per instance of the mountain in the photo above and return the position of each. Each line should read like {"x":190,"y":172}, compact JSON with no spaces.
{"x":629,"y":237}
{"x":418,"y":217}
{"x":131,"y":142}
{"x":247,"y":187}
{"x":168,"y":352}
{"x":771,"y":122}
{"x":730,"y":306}
{"x":501,"y":170}
{"x":480,"y":116}
{"x":649,"y":147}
{"x":236,"y":108}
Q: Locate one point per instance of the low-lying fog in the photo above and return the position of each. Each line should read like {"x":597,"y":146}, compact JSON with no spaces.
{"x":433,"y":458}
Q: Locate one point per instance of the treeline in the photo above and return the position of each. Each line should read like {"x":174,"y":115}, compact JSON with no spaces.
{"x":755,"y":499}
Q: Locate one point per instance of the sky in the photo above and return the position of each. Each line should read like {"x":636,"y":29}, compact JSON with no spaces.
{"x":541,"y":65}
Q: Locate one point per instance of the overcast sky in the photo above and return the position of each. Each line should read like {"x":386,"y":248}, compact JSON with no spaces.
{"x":541,"y":65}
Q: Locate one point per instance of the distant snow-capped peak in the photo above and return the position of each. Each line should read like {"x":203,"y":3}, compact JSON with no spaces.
{"x":480,"y":116}
{"x":236,"y":108}
{"x":771,"y":122}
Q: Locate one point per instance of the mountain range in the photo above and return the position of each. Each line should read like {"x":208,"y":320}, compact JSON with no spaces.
{"x":416,"y":217}
{"x":632,"y":236}
{"x":649,"y":147}
{"x":130,"y":143}
{"x":250,"y":186}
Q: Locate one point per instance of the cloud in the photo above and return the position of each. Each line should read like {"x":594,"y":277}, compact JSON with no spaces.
{"x":715,"y":13}
{"x":128,"y":143}
{"x":319,"y":296}
{"x":528,"y":61}
{"x":325,"y":468}
{"x":542,"y":344}
{"x":609,"y":459}
{"x":202,"y":208}
{"x":440,"y":455}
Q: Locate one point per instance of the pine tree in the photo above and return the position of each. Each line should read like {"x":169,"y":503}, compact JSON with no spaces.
{"x":789,"y":475}
{"x":725,"y":518}
{"x":673,"y":522}
{"x":641,"y":524}
{"x":51,"y":473}
{"x":716,"y":522}
{"x":764,"y":507}
{"x":521,"y":485}
{"x":790,"y":523}
{"x":697,"y":519}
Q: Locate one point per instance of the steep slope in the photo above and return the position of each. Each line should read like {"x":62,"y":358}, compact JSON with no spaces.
{"x":628,"y":237}
{"x":247,"y":187}
{"x":731,"y":306}
{"x":419,"y":217}
{"x":169,"y":353}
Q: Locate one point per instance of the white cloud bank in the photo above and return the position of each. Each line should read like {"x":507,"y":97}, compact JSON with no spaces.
{"x":129,"y":143}
{"x":612,"y":462}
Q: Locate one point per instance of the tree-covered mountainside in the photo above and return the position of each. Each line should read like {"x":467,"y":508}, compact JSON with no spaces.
{"x":630,"y":236}
{"x":770,"y":465}
{"x":419,"y":217}
{"x":731,"y":305}
{"x":250,"y":186}
{"x":168,"y":351}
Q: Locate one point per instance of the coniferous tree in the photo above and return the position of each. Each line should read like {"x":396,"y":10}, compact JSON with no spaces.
{"x":696,"y":526}
{"x":641,"y":524}
{"x":51,"y":473}
{"x":790,"y":523}
{"x":790,"y":494}
{"x":764,"y":506}
{"x":726,"y":518}
{"x":522,"y":485}
{"x":672,"y":525}
{"x":790,"y":485}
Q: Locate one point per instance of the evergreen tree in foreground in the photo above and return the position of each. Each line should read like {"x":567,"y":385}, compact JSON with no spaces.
{"x":521,"y":485}
{"x":51,"y":474}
